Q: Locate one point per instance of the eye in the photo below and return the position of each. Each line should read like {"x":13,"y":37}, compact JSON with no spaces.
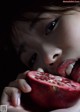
{"x":51,"y":26}
{"x":32,"y":60}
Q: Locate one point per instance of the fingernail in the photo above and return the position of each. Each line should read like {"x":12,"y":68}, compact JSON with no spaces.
{"x":27,"y":88}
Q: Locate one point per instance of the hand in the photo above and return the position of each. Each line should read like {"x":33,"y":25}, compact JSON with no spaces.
{"x":11,"y":98}
{"x":21,"y":83}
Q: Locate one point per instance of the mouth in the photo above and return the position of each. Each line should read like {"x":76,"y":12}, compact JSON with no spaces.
{"x":70,"y":68}
{"x":64,"y":68}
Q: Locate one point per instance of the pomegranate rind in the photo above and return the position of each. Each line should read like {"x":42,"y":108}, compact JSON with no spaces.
{"x":51,"y":96}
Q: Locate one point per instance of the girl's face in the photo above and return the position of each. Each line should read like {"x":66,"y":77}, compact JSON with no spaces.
{"x":48,"y":40}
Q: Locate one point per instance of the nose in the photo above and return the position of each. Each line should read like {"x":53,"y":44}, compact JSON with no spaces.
{"x":52,"y":56}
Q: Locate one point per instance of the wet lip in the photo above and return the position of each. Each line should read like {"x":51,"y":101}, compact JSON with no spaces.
{"x":66,"y":67}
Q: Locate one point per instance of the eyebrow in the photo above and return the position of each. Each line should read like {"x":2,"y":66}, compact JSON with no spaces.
{"x":33,"y":20}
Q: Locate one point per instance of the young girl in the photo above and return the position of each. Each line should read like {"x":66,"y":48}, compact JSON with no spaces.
{"x":44,"y":36}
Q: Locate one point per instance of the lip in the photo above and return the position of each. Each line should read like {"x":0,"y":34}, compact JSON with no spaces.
{"x":62,"y":68}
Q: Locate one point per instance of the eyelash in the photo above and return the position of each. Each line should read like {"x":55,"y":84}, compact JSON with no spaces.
{"x":32,"y":60}
{"x":51,"y":26}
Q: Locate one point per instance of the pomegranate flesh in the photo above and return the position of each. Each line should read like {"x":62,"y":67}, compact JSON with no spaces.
{"x":52,"y":92}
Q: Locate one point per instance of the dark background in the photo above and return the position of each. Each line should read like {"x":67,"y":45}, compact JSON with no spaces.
{"x":10,"y":64}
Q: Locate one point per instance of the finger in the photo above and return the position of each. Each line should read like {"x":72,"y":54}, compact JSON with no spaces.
{"x":15,"y":97}
{"x":13,"y":84}
{"x":20,"y":76}
{"x":23,"y":85}
{"x":5,"y":97}
{"x":10,"y":96}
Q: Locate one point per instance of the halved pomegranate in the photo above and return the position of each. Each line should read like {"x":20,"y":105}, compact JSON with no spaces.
{"x":52,"y":92}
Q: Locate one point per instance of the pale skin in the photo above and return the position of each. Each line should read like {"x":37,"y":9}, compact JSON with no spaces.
{"x":50,"y":47}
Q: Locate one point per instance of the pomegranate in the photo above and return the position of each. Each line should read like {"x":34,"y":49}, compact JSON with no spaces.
{"x":51,"y":91}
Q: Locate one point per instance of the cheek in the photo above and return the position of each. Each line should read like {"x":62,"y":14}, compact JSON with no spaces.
{"x":72,"y":35}
{"x":68,"y":32}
